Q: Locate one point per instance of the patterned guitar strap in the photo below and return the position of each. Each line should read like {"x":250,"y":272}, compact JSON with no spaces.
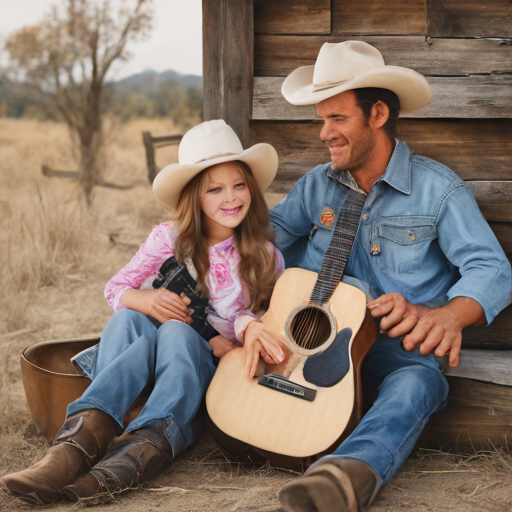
{"x":337,"y":253}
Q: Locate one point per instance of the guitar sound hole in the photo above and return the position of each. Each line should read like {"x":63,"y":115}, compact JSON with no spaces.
{"x":310,"y":328}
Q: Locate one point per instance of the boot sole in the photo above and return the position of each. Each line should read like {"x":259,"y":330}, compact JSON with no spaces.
{"x":31,"y":498}
{"x":97,"y":499}
{"x":315,"y":493}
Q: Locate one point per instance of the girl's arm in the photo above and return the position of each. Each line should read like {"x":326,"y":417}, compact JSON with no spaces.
{"x":123,"y":290}
{"x":161,"y":304}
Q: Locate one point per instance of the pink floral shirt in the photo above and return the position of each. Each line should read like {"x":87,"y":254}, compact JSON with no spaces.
{"x":228,"y":296}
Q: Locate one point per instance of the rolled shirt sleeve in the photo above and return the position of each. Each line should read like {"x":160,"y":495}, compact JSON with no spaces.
{"x":469,"y":244}
{"x":143,"y":267}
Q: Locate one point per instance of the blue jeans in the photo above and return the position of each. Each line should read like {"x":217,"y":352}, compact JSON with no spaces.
{"x":409,"y":387}
{"x":134,"y":352}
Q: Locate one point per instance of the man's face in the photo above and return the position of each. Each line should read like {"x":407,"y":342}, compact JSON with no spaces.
{"x":349,"y":136}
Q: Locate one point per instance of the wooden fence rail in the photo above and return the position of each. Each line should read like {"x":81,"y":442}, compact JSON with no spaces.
{"x":151,"y":143}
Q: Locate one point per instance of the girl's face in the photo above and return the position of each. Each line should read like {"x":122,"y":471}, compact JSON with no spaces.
{"x":225,"y":202}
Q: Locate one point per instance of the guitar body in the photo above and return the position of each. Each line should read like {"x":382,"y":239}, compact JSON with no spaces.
{"x":264,"y":423}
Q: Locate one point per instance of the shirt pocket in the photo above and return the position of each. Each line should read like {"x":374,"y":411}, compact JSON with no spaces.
{"x":405,"y":241}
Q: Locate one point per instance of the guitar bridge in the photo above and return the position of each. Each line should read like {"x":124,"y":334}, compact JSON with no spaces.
{"x":285,"y":385}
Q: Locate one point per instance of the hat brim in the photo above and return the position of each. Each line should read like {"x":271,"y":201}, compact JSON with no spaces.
{"x":412,"y":89}
{"x":172,"y":179}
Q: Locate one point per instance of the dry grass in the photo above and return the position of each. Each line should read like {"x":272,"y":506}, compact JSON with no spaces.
{"x":55,"y":254}
{"x":48,"y":238}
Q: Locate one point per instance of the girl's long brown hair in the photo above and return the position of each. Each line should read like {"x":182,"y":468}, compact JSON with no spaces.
{"x":252,"y":238}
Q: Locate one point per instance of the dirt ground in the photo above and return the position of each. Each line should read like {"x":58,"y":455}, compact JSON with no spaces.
{"x":66,"y":301}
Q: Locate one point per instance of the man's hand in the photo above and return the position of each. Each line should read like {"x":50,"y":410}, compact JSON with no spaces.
{"x":220,"y":345}
{"x":438,"y":330}
{"x":261,"y":340}
{"x":161,"y":304}
{"x":398,"y":316}
{"x":432,"y":329}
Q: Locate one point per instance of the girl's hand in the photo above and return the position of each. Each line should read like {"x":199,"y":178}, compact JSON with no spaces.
{"x":220,"y":345}
{"x":261,"y":340}
{"x":165,"y":305}
{"x":161,"y":304}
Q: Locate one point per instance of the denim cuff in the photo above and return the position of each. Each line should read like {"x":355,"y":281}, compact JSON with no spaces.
{"x":82,"y":405}
{"x":172,"y":433}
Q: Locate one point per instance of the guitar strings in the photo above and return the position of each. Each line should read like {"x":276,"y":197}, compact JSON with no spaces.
{"x":311,"y":328}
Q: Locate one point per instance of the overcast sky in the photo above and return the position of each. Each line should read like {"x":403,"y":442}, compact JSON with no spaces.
{"x":175,"y":43}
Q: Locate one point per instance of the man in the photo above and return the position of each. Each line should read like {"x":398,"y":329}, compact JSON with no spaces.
{"x":422,"y":246}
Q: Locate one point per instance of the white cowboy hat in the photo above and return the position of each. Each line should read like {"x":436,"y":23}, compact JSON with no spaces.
{"x":207,"y":144}
{"x":350,"y":65}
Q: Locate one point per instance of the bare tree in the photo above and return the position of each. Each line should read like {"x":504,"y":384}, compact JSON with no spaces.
{"x":67,"y":58}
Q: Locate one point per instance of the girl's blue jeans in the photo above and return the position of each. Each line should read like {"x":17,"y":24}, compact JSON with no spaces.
{"x":134,"y":352}
{"x":409,"y":387}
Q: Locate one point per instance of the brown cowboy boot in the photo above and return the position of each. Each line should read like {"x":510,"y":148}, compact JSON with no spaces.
{"x":134,"y":458}
{"x":333,"y":484}
{"x":80,"y":443}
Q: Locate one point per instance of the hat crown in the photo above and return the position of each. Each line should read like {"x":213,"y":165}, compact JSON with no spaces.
{"x":208,"y":140}
{"x":338,"y":62}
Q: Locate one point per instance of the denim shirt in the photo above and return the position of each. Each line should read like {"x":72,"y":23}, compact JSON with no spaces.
{"x":421,"y":233}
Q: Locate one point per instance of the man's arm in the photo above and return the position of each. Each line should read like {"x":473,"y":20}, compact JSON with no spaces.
{"x":483,"y":290}
{"x":469,"y":244}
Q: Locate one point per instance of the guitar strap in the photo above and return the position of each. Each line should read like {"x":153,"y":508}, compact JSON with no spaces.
{"x":336,"y":255}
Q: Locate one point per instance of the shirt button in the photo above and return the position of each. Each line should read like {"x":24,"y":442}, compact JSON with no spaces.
{"x":375,"y":249}
{"x":366,"y":216}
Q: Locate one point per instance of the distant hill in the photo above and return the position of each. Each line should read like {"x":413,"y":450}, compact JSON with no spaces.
{"x":151,"y":78}
{"x":146,"y":94}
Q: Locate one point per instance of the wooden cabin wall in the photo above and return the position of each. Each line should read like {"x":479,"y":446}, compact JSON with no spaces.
{"x":463,"y":47}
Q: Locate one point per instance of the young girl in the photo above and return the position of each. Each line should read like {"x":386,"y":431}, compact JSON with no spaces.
{"x":220,"y":229}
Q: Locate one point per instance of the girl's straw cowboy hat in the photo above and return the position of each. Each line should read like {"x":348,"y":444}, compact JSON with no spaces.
{"x":350,"y":65}
{"x":207,"y":144}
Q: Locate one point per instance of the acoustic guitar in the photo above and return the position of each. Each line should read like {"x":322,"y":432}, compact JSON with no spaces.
{"x":292,"y":413}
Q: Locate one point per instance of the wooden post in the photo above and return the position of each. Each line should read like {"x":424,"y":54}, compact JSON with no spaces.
{"x":150,"y":143}
{"x":150,"y":156}
{"x":228,"y":63}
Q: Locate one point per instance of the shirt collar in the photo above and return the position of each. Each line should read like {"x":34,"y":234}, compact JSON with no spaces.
{"x":398,"y":171}
{"x":224,"y":244}
{"x":345,"y":178}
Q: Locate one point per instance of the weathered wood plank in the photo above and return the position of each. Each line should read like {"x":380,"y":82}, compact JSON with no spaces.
{"x":503,"y":232}
{"x":496,"y":335}
{"x":280,"y":55}
{"x":228,"y":48}
{"x":478,"y":417}
{"x":485,"y":366}
{"x":494,"y":199}
{"x":297,"y":144}
{"x":477,"y":149}
{"x":292,"y":17}
{"x":379,"y":17}
{"x":453,"y":97}
{"x":469,"y":97}
{"x":269,"y":104}
{"x":469,"y":18}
